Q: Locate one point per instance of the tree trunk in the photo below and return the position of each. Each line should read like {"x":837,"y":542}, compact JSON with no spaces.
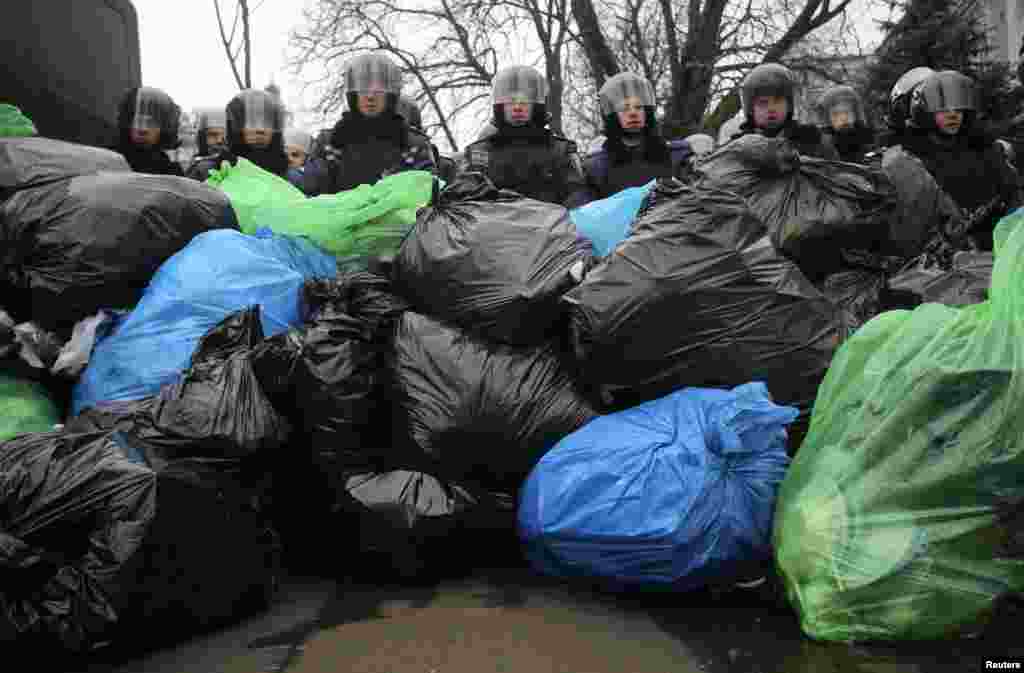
{"x":243,"y":7}
{"x":603,"y":63}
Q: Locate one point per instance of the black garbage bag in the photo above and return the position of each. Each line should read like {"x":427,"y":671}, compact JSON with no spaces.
{"x":73,"y":247}
{"x":95,"y":543}
{"x":217,"y":409}
{"x":813,"y":207}
{"x":698,"y":296}
{"x":329,"y":375}
{"x":491,"y":261}
{"x":406,"y":523}
{"x":860,"y":292}
{"x":480,"y":410}
{"x":30,"y":162}
{"x":32,"y":398}
{"x":922,"y":282}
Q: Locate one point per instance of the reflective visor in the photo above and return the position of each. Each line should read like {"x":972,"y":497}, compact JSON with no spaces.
{"x":373,"y":73}
{"x":949,"y":90}
{"x":519,"y":84}
{"x":212,"y":118}
{"x":255,"y":109}
{"x":153,"y":110}
{"x":623,"y":91}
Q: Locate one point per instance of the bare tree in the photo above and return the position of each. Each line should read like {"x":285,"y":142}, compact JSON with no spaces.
{"x":240,"y":50}
{"x":458,"y":47}
{"x":705,"y":43}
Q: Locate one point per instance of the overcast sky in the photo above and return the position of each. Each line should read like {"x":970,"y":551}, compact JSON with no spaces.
{"x":182,"y":51}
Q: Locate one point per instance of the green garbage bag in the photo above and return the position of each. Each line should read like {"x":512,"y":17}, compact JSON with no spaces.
{"x":25,"y":407}
{"x":901,"y":515}
{"x":14,"y":123}
{"x":252,"y":190}
{"x":368,"y":221}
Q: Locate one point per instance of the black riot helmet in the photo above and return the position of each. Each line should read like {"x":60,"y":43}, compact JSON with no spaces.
{"x":254,"y":109}
{"x":768,"y":79}
{"x":149,"y":108}
{"x":839,"y":100}
{"x":899,"y":96}
{"x":618,"y":91}
{"x":520,"y":83}
{"x":368,"y":73}
{"x":410,"y":112}
{"x":943,"y":91}
{"x":209,"y":118}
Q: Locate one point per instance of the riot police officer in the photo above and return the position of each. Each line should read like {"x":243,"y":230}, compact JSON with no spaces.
{"x":372,"y":139}
{"x":958,"y":151}
{"x":148,"y":122}
{"x":211,"y":136}
{"x":768,"y":94}
{"x":899,"y":105}
{"x":255,"y":131}
{"x":523,"y":154}
{"x":634,"y":152}
{"x":410,"y":111}
{"x":842,"y":117}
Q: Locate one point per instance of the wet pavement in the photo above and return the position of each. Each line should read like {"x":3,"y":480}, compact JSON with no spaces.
{"x":510,"y":620}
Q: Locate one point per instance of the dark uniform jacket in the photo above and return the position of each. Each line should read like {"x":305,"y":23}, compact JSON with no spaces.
{"x":610,"y":169}
{"x":148,"y":160}
{"x":362,"y":151}
{"x":535,"y":162}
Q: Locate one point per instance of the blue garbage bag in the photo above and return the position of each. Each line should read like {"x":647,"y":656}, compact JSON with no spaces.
{"x":678,"y":492}
{"x":218,"y":273}
{"x":606,"y":222}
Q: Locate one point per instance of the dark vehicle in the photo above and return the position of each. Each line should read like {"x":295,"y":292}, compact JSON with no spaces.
{"x":71,"y":61}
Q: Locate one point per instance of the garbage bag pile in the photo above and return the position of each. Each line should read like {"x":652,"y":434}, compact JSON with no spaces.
{"x":73,"y":245}
{"x":98,"y":543}
{"x":900,"y":516}
{"x":401,"y":368}
{"x":745,"y":313}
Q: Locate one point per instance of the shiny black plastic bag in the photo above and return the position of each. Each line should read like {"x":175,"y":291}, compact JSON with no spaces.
{"x":480,"y":410}
{"x":95,"y":543}
{"x":217,"y":409}
{"x":406,"y":523}
{"x":491,"y":261}
{"x":73,"y":247}
{"x":698,"y":296}
{"x":330,"y":375}
{"x":921,"y":283}
{"x":813,"y":207}
{"x":860,"y":292}
{"x":30,"y":162}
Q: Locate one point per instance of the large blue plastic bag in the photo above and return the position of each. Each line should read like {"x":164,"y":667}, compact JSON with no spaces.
{"x":217,"y":274}
{"x":606,"y":222}
{"x":678,"y":492}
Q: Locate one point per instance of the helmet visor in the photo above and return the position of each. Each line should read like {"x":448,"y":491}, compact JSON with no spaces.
{"x":625,"y":91}
{"x":949,"y":91}
{"x":373,"y":74}
{"x":153,"y":110}
{"x":256,"y":110}
{"x":213,"y":118}
{"x":519,"y":85}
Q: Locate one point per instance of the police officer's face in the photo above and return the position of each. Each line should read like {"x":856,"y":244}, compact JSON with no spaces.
{"x":296,"y":156}
{"x":843,"y":117}
{"x":372,"y":103}
{"x":215,"y":137}
{"x":145,"y":137}
{"x":257,"y":138}
{"x":949,"y":121}
{"x":770,"y":111}
{"x":518,"y":113}
{"x":631,"y":114}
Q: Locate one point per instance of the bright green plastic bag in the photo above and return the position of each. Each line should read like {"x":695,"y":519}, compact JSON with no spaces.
{"x":900,"y":515}
{"x":252,"y":190}
{"x":370,"y":220}
{"x":25,"y":407}
{"x":14,"y":123}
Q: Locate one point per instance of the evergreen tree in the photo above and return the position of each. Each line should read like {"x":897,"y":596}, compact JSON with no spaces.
{"x":942,"y":35}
